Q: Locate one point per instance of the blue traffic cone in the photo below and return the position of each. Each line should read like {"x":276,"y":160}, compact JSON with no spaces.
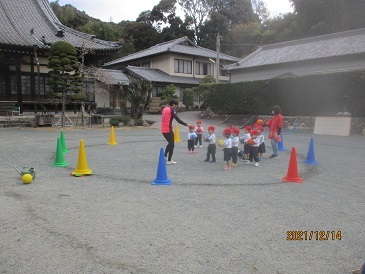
{"x":161,"y":177}
{"x":281,"y":143}
{"x":311,"y":159}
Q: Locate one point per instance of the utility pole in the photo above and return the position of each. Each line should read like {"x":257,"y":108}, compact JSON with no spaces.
{"x":218,"y":49}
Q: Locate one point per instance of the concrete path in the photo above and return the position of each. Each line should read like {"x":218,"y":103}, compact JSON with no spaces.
{"x":246,"y":220}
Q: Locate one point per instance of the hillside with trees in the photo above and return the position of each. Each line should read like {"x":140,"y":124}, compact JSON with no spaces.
{"x":242,"y":24}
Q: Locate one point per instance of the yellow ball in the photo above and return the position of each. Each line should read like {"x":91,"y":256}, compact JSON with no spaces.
{"x":220,"y":143}
{"x":27,"y":178}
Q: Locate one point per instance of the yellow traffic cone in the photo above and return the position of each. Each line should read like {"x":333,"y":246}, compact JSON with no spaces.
{"x":112,"y":137}
{"x":82,"y":168}
{"x":176,"y":135}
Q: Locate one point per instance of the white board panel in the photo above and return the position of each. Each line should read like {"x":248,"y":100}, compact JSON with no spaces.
{"x":340,"y":126}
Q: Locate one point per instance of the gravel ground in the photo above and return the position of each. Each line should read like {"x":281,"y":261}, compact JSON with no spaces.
{"x":208,"y":221}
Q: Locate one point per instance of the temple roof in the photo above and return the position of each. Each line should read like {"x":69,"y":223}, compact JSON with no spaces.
{"x":30,"y":23}
{"x":156,"y":75}
{"x":314,"y":48}
{"x":181,"y":45}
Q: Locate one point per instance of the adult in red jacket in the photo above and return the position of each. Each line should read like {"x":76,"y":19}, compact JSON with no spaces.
{"x":168,"y":115}
{"x":275,"y":124}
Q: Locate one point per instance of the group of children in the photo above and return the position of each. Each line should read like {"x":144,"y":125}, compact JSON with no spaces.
{"x":253,"y":140}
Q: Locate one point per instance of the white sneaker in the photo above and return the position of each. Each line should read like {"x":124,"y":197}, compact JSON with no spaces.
{"x":257,"y":164}
{"x":200,"y":146}
{"x":171,"y":162}
{"x":248,"y":163}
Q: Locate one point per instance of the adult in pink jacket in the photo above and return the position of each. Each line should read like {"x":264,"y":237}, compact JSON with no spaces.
{"x":275,"y":124}
{"x":168,"y":115}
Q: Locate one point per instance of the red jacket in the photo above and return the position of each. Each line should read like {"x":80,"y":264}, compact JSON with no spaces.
{"x":275,"y":124}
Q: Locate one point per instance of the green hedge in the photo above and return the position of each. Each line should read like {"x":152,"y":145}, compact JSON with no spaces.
{"x":314,"y":95}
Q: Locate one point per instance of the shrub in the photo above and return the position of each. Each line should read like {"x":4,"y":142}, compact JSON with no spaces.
{"x":139,"y":122}
{"x":114,"y":122}
{"x":125,"y":119}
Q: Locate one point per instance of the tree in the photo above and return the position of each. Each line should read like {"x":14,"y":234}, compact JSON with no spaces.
{"x":260,"y":9}
{"x":141,"y":35}
{"x":318,"y":17}
{"x":204,"y":87}
{"x":196,"y":12}
{"x":242,"y":39}
{"x":224,"y":16}
{"x":167,"y":94}
{"x":188,"y":98}
{"x":64,"y":73}
{"x":236,"y":11}
{"x":217,"y":24}
{"x":137,"y":94}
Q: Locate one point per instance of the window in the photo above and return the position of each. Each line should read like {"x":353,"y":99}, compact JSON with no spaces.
{"x":26,"y":86}
{"x":13,"y":84}
{"x":223,"y":72}
{"x":202,"y":68}
{"x":196,"y":97}
{"x":89,"y":89}
{"x":145,"y":65}
{"x":43,"y":84}
{"x":156,"y":90}
{"x":2,"y":84}
{"x":181,"y":94}
{"x":183,"y":66}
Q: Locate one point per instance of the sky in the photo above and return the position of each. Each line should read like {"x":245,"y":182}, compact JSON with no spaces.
{"x":119,"y":10}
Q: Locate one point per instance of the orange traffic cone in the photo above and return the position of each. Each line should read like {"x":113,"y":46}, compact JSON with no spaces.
{"x":176,"y":135}
{"x":112,"y":137}
{"x":292,"y":175}
{"x":82,"y":168}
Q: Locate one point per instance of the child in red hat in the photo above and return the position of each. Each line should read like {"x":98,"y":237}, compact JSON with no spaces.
{"x":227,"y":144}
{"x":262,"y":148}
{"x":254,"y":147}
{"x":191,"y":139}
{"x":246,"y":147}
{"x":199,"y":133}
{"x":235,"y":143}
{"x":212,"y":147}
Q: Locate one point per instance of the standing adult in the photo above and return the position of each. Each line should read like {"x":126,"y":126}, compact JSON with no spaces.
{"x":275,"y":124}
{"x":168,"y":115}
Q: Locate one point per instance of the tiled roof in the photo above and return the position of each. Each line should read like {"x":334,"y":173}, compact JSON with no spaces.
{"x":324,"y":46}
{"x":23,"y":23}
{"x":111,"y":76}
{"x":181,"y":45}
{"x":156,"y":75}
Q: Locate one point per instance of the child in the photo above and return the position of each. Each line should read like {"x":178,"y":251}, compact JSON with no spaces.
{"x":199,"y":132}
{"x":212,"y":147}
{"x":191,"y":139}
{"x":262,"y":148}
{"x":227,"y":144}
{"x":246,"y":147}
{"x":235,"y":143}
{"x":254,"y":147}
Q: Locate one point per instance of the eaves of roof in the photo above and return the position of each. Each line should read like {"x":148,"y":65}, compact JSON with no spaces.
{"x":319,"y":47}
{"x":111,"y":76}
{"x":156,"y":75}
{"x":181,"y":45}
{"x":32,"y":23}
